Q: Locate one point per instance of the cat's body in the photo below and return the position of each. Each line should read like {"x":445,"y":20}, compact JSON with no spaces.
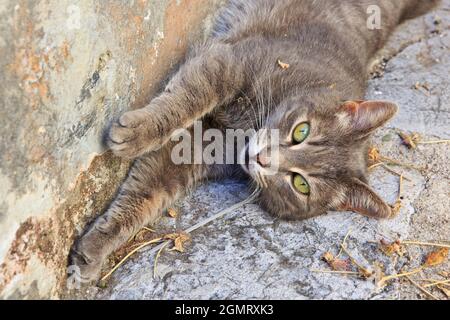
{"x":240,"y":71}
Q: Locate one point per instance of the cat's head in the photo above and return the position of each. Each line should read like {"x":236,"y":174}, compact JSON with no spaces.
{"x":321,"y":159}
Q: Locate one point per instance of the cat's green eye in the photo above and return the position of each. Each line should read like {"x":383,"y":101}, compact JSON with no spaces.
{"x":301,"y":132}
{"x":300,"y":184}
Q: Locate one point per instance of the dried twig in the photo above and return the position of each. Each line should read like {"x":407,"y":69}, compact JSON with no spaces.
{"x":400,"y":275}
{"x":144,"y":229}
{"x":157,"y":257}
{"x":419,"y":243}
{"x":218,"y":215}
{"x":343,"y":242}
{"x":375,"y":165}
{"x":157,"y":248}
{"x":394,"y":172}
{"x":430,"y":244}
{"x":335,"y":271}
{"x":428,"y":280}
{"x":444,"y":291}
{"x":421,"y":288}
{"x":434,"y":142}
{"x":363,"y":271}
{"x":398,"y":163}
{"x":129,"y":255}
{"x":436,"y":283}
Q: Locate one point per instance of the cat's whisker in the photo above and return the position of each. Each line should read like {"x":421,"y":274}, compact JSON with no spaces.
{"x":258,"y":106}
{"x":269,"y":103}
{"x":255,"y":186}
{"x":261,"y":103}
{"x":271,"y":106}
{"x":258,"y":182}
{"x":264,"y":106}
{"x":263,"y":179}
{"x":251,"y":104}
{"x":256,"y":90}
{"x":253,"y":109}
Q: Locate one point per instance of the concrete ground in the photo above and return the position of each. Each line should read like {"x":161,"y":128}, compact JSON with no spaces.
{"x":250,"y":255}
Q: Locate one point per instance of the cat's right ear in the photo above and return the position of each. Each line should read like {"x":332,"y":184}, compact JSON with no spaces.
{"x":363,"y":117}
{"x":360,"y":198}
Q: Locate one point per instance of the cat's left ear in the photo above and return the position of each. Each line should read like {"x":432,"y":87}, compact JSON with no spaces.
{"x":366,"y":116}
{"x":360,"y":198}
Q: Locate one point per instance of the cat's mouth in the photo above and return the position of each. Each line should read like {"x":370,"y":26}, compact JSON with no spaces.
{"x":253,"y":167}
{"x":250,"y":163}
{"x":255,"y":161}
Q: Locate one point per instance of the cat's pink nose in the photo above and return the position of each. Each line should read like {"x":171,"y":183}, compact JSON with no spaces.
{"x":263,"y":160}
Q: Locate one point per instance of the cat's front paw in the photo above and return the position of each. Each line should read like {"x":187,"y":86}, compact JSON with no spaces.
{"x":83,"y":270}
{"x":132,"y":135}
{"x":86,"y":258}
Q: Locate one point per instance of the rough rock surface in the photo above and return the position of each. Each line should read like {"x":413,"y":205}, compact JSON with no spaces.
{"x":249,"y":254}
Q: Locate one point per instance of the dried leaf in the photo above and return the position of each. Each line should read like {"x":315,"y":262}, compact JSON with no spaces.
{"x":436,"y":257}
{"x":335,"y":263}
{"x":419,"y":85}
{"x":172,"y":213}
{"x":171,"y":236}
{"x":328,"y":256}
{"x":283,"y":65}
{"x":341,"y":265}
{"x":178,"y":245}
{"x":179,"y":239}
{"x":410,"y":141}
{"x":391,"y":248}
{"x":374,"y":155}
{"x":396,"y":207}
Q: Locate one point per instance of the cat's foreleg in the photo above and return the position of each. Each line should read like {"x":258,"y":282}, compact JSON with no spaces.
{"x":416,"y":8}
{"x":204,"y":82}
{"x":153,"y":183}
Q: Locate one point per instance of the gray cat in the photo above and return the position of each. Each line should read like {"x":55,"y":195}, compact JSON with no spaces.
{"x":238,"y":78}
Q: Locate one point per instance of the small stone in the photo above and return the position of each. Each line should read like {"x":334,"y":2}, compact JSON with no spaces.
{"x":387,"y":138}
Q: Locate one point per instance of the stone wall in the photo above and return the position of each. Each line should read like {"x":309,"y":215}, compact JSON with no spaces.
{"x":66,"y":69}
